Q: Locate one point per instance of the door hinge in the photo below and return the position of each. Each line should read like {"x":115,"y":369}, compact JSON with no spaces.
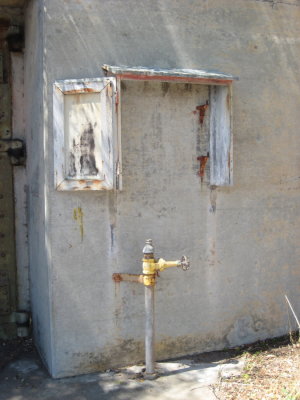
{"x":15,"y":148}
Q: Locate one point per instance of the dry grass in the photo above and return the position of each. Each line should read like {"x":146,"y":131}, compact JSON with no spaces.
{"x":270,"y":372}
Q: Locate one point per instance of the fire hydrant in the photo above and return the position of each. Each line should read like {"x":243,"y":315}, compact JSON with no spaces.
{"x":151,"y":269}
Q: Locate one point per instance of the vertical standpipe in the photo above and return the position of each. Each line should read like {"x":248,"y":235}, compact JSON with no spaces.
{"x":148,"y":265}
{"x":149,"y":329}
{"x":151,"y":267}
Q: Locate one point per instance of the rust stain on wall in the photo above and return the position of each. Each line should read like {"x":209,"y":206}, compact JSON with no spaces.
{"x":78,"y":216}
{"x":202,"y":109}
{"x":117,"y":277}
{"x":203,"y":161}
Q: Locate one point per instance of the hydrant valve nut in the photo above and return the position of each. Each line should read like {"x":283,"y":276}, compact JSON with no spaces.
{"x":184,"y":263}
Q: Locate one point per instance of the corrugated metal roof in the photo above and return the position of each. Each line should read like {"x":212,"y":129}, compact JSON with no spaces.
{"x":188,"y":74}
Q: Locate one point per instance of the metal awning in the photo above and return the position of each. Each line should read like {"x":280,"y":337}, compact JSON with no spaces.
{"x":169,"y":75}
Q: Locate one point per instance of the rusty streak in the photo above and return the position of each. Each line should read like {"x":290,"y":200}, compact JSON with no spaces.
{"x":202,"y":109}
{"x":164,"y":78}
{"x":117,"y":277}
{"x":203,"y":161}
{"x":127,"y":277}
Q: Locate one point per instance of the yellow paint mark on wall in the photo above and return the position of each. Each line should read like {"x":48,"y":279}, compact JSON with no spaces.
{"x":78,"y":216}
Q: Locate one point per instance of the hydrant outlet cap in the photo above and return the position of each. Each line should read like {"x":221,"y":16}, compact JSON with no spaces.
{"x":148,"y":249}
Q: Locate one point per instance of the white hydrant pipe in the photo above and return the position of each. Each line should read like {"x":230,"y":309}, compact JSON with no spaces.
{"x":150,"y":269}
{"x":149,"y":329}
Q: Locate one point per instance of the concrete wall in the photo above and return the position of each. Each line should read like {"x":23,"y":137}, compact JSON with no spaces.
{"x":244,"y":255}
{"x":35,"y":113}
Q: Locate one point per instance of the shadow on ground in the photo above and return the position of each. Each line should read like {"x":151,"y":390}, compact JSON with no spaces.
{"x":23,"y":377}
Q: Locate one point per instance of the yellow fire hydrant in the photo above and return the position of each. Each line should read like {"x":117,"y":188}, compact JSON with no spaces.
{"x":151,"y":269}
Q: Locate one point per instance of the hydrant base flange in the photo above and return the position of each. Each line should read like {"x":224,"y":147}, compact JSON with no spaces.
{"x":151,"y":377}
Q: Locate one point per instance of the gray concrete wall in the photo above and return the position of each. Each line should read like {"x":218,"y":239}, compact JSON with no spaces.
{"x":244,"y":255}
{"x":35,"y":113}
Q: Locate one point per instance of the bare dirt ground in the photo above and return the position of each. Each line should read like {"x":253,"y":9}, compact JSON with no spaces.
{"x":271,"y":371}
